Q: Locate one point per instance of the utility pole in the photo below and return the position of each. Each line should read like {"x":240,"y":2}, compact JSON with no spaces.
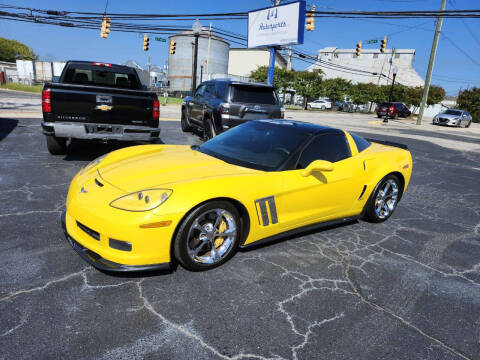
{"x":289,"y":62}
{"x":433,"y":52}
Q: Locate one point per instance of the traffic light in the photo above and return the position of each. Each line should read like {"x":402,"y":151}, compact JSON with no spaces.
{"x":145,"y":42}
{"x":310,"y":20}
{"x":358,"y":51}
{"x":383,"y":44}
{"x":173,"y":45}
{"x":105,"y":30}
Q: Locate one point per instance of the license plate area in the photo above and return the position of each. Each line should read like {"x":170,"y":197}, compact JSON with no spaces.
{"x":103,"y":129}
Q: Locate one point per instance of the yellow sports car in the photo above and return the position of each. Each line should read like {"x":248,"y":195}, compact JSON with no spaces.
{"x":143,"y":207}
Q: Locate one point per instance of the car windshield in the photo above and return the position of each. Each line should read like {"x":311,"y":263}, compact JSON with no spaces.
{"x":260,"y":145}
{"x":453,"y":112}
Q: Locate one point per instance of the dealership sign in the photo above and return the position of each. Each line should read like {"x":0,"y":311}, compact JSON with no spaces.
{"x":277,"y":25}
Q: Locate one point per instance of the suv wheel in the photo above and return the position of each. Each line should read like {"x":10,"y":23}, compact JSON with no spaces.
{"x":209,"y":129}
{"x":184,"y":122}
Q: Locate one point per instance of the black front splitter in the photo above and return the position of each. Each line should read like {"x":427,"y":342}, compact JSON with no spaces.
{"x":100,"y":263}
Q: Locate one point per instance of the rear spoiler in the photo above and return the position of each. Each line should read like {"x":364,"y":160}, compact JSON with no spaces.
{"x":389,"y":143}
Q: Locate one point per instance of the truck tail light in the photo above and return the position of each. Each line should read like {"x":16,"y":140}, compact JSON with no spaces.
{"x":102,"y":64}
{"x":46,"y":103}
{"x":155,"y":110}
{"x":391,"y":109}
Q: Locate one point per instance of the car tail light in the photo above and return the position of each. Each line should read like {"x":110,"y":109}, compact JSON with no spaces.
{"x":225,"y":109}
{"x":155,"y":110}
{"x":46,"y":103}
{"x":391,"y":109}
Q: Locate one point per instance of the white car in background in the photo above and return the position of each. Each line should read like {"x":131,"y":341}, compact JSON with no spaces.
{"x":319,"y":104}
{"x":453,"y":117}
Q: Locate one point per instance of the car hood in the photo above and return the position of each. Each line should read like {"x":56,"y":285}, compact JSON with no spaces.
{"x":448,"y":116}
{"x":164,"y":166}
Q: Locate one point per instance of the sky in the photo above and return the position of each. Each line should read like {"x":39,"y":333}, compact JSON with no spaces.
{"x":453,"y":69}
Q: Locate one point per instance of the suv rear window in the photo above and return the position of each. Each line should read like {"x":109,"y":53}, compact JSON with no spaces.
{"x":100,"y":77}
{"x":254,"y":94}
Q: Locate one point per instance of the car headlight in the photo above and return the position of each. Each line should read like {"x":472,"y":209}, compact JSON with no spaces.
{"x":143,"y":200}
{"x":93,"y":163}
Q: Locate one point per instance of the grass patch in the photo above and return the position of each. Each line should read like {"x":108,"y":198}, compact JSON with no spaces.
{"x":171,"y":100}
{"x":22,"y":87}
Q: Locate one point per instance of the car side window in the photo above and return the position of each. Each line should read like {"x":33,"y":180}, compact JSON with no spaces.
{"x":209,"y":90}
{"x":329,"y":147}
{"x":200,"y":91}
{"x":220,"y":89}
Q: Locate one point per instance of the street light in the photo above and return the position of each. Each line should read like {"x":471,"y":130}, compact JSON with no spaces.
{"x":196,"y":28}
{"x":394,"y":72}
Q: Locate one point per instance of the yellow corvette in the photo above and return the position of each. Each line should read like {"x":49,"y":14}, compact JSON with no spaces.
{"x":143,"y":207}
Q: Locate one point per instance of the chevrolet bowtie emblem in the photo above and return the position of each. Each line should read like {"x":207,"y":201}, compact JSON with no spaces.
{"x":103,"y":107}
{"x":83,"y":191}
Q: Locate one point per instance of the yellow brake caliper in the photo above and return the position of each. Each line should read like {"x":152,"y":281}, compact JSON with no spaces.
{"x":221,"y":228}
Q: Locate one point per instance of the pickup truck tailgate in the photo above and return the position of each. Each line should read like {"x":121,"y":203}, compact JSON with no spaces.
{"x":93,"y":104}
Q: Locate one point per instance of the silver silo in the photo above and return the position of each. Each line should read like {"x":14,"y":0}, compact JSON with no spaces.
{"x":180,"y":64}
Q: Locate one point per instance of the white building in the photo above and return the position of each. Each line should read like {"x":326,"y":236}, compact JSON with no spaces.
{"x":242,"y":62}
{"x":336,"y":62}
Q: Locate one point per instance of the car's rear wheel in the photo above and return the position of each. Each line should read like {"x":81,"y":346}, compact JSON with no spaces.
{"x":208,"y":236}
{"x":384,"y":199}
{"x":56,"y":145}
{"x":184,"y":122}
{"x":323,"y":107}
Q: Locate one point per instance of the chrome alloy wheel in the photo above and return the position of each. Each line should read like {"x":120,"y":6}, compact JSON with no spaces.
{"x":386,"y":199}
{"x":211,"y":236}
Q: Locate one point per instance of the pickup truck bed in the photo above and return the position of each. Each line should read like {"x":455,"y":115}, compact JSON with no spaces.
{"x":98,"y":101}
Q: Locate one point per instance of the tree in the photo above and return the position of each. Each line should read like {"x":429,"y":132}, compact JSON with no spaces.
{"x":362,"y":93}
{"x":435,"y":95}
{"x":308,"y":84}
{"x":11,"y":50}
{"x":469,"y":99}
{"x":336,"y":89}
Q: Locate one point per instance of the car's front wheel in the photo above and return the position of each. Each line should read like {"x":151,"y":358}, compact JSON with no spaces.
{"x":184,"y":121}
{"x":469,"y":123}
{"x":384,"y":199}
{"x":208,"y":236}
{"x":309,"y":107}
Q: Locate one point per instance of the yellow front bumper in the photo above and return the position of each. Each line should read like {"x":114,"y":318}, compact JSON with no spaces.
{"x":91,"y":230}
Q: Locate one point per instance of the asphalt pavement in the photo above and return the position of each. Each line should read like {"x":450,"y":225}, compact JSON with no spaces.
{"x":408,"y":288}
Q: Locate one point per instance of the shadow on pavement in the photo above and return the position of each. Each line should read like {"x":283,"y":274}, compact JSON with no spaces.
{"x":6,"y":127}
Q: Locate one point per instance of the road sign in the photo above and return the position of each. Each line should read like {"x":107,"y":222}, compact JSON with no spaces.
{"x":160,"y":39}
{"x":371,"y":41}
{"x":277,"y":25}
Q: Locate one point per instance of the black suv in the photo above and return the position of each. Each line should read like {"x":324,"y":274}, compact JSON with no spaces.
{"x":221,"y":104}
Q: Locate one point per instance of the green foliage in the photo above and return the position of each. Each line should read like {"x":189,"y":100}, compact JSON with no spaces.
{"x":362,"y":93}
{"x":11,"y":50}
{"x":336,"y":89}
{"x":435,"y":95}
{"x":282,"y":78}
{"x":308,"y":84}
{"x":469,"y":99}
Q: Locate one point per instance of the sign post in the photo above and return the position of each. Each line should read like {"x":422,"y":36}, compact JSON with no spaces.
{"x":276,"y":26}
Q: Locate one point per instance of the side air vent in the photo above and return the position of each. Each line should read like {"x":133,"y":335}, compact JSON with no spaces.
{"x":89,"y":231}
{"x":98,"y":182}
{"x":363,"y":192}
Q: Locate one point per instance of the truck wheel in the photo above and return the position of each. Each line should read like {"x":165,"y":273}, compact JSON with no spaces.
{"x":209,"y":129}
{"x":184,"y":122}
{"x":56,"y":146}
